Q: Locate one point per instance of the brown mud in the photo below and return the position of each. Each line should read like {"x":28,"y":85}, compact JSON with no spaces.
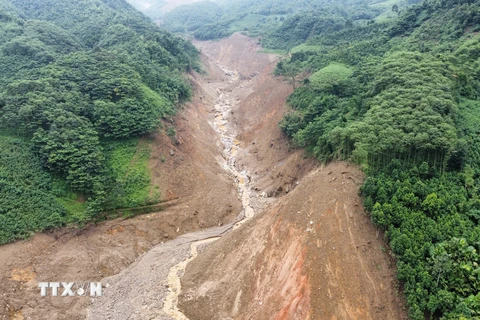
{"x":312,"y":252}
{"x":307,"y":251}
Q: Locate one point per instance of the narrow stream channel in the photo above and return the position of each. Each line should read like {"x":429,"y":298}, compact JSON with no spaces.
{"x":223,"y":108}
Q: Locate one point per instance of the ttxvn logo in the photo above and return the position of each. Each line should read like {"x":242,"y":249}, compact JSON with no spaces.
{"x":70,"y":289}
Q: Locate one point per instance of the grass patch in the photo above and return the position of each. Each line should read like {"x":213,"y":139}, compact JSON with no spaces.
{"x":74,"y":204}
{"x":129,"y":175}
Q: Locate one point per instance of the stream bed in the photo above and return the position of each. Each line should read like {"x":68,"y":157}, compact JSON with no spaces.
{"x":223,"y":108}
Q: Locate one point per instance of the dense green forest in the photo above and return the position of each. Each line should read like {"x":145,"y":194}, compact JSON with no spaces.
{"x":282,"y":24}
{"x":81,"y":82}
{"x":400,"y":98}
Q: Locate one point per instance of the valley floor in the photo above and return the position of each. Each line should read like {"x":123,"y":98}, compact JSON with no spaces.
{"x":309,"y":252}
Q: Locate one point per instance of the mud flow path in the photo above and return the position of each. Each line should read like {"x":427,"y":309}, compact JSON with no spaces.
{"x":182,"y":251}
{"x":257,"y":230}
{"x":223,"y":109}
{"x":221,"y":124}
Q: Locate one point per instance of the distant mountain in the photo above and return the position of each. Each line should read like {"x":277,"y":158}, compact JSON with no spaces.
{"x":156,"y":8}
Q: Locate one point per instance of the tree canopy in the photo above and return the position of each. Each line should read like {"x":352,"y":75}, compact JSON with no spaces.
{"x":281,"y":24}
{"x":400,"y":98}
{"x":75,"y":75}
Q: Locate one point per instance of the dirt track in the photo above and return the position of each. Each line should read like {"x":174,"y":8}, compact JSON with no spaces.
{"x":309,"y":253}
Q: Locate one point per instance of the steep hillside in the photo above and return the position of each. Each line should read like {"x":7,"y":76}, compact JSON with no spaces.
{"x":82,"y":80}
{"x":311,"y":252}
{"x":200,"y":194}
{"x":400,"y":99}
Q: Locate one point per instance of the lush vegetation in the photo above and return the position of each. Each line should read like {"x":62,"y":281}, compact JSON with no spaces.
{"x":400,"y":98}
{"x":27,"y":201}
{"x":81,"y":82}
{"x":188,"y":18}
{"x":281,"y":24}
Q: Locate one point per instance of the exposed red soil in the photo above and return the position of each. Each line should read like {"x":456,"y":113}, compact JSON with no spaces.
{"x":313,"y":253}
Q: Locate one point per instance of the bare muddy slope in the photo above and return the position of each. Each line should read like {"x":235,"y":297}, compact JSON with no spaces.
{"x":311,"y":253}
{"x":273,"y":167}
{"x":252,"y":229}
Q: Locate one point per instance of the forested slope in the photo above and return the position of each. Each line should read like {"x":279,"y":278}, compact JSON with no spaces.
{"x":401,"y":100}
{"x":81,"y":81}
{"x":281,"y":24}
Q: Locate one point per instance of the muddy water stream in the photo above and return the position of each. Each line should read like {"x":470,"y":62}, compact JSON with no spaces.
{"x":223,"y":108}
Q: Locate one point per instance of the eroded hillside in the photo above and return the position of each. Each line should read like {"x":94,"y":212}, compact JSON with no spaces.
{"x":310,"y":251}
